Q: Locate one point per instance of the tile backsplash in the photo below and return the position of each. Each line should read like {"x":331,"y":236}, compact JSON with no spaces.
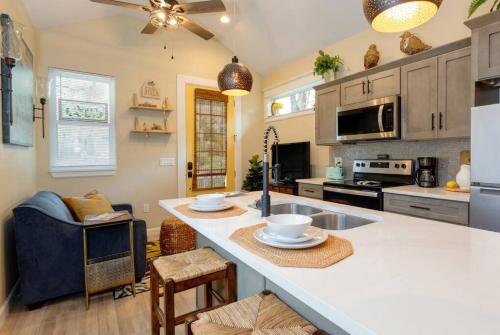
{"x":447,"y":151}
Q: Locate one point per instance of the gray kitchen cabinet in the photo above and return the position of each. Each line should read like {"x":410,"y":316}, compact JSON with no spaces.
{"x":353,"y":91}
{"x":489,"y":52}
{"x":379,"y":85}
{"x":454,"y":98}
{"x":311,"y":191}
{"x":327,"y":101}
{"x":384,"y":84}
{"x":419,"y":99}
{"x":428,"y":208}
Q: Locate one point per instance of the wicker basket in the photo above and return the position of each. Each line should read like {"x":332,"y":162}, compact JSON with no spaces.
{"x":176,"y":237}
{"x":109,"y":272}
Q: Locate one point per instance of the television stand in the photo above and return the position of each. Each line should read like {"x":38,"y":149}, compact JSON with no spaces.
{"x":292,"y":189}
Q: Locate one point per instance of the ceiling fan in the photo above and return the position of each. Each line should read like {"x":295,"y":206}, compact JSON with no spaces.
{"x":165,"y":13}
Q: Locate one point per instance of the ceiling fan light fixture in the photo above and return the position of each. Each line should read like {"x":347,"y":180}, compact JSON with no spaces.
{"x":225,"y":19}
{"x":392,"y":16}
{"x":235,"y":79}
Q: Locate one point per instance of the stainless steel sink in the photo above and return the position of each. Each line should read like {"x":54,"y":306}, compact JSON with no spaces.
{"x":321,"y":218}
{"x":338,"y":221}
{"x":293,"y":208}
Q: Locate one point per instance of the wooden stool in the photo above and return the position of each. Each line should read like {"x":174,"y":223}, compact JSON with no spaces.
{"x":263,"y":313}
{"x":181,"y":272}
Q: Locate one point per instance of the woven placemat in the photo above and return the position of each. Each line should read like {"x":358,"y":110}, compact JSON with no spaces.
{"x":233,"y":211}
{"x":332,"y":251}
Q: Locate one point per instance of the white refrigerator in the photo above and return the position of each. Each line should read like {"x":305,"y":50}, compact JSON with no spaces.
{"x":485,"y":165}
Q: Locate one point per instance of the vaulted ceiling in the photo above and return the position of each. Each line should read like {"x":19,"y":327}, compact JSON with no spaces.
{"x":264,"y":33}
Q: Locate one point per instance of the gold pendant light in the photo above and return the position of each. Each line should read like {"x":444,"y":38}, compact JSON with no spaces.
{"x":235,"y":79}
{"x":392,"y":16}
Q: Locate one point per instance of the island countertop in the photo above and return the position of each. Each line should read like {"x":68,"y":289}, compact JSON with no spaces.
{"x":407,"y":275}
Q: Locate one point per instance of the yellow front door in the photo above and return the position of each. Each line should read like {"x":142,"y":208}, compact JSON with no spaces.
{"x":210,"y":141}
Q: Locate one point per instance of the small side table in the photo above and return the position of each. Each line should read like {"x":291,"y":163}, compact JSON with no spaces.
{"x":110,"y":271}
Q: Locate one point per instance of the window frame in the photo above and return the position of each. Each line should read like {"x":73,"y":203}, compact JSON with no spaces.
{"x":306,"y":81}
{"x":58,"y":171}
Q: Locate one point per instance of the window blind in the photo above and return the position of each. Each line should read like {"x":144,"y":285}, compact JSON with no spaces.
{"x":82,"y":108}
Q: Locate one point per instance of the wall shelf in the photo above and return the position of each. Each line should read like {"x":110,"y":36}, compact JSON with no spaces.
{"x":154,"y":109}
{"x":147,"y":132}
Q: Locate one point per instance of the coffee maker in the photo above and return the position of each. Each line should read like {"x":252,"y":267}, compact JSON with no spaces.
{"x":427,"y":172}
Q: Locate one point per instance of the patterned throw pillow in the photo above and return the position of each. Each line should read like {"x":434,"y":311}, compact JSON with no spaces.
{"x":90,"y":204}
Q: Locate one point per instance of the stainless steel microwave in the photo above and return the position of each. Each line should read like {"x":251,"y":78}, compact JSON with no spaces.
{"x":377,"y":119}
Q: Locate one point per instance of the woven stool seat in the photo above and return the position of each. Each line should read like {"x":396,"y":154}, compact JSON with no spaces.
{"x":176,"y":237}
{"x":261,"y":314}
{"x":190,"y":264}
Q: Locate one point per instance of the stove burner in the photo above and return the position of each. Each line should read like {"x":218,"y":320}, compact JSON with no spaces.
{"x":368,"y":183}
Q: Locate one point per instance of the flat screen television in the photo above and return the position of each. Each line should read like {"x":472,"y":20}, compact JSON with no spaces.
{"x":294,"y":160}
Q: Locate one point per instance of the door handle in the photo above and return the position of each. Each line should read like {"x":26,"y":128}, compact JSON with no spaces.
{"x":190,"y":174}
{"x":364,"y":91}
{"x":440,"y":121}
{"x":433,"y":121}
{"x":380,"y":117}
{"x":422,"y":208}
{"x":368,"y":85}
{"x":190,"y":166}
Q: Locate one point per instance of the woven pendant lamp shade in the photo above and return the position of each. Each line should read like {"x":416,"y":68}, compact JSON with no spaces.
{"x":235,"y":79}
{"x":391,"y":16}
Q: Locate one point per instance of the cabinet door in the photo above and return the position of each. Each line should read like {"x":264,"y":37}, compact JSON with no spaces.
{"x":419,"y":99}
{"x":454,"y":94}
{"x":489,"y":52}
{"x":384,"y":84}
{"x":354,"y":91}
{"x":327,"y":101}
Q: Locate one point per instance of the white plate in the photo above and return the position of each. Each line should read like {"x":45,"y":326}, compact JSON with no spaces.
{"x":306,"y":236}
{"x":261,"y":237}
{"x":211,"y":208}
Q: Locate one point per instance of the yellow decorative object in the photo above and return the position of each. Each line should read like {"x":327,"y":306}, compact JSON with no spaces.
{"x":276,"y":106}
{"x":452,"y":184}
{"x":404,"y":16}
{"x":83,"y":206}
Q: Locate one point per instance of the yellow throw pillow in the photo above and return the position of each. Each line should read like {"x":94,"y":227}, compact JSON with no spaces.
{"x":80,"y":207}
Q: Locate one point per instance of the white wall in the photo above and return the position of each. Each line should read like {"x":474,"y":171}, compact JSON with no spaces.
{"x":114,"y":46}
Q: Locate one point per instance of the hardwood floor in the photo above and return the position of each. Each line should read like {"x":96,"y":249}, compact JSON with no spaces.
{"x":106,"y":316}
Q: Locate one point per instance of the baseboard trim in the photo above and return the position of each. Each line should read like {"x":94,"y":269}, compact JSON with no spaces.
{"x":7,"y":305}
{"x":154,"y":234}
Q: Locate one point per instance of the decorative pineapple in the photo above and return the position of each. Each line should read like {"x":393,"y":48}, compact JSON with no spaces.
{"x":372,"y":57}
{"x":411,"y":44}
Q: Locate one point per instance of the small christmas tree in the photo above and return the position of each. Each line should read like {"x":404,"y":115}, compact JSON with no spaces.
{"x":253,"y":179}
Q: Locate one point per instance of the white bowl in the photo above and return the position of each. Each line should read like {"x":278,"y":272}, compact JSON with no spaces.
{"x":288,"y":225}
{"x":210,"y":199}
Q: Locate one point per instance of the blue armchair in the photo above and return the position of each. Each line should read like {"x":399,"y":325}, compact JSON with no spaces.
{"x":49,"y":247}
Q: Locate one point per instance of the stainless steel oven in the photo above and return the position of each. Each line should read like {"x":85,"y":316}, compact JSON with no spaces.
{"x":377,"y":119}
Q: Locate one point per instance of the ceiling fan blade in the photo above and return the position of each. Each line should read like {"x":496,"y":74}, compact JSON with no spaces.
{"x":196,"y":29}
{"x":162,"y":3}
{"x":149,"y":29}
{"x":200,"y":7}
{"x":123,"y":4}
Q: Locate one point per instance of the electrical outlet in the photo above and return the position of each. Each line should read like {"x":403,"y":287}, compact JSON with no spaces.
{"x":167,"y":161}
{"x":338,"y":161}
{"x":146,"y":208}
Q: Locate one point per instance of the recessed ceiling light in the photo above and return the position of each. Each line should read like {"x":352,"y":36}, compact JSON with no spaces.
{"x":225,"y":19}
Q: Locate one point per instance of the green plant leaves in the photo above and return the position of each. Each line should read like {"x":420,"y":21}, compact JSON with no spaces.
{"x":324,"y":63}
{"x":474,"y":5}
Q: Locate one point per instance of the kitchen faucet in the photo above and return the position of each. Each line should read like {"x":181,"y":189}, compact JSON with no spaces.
{"x":266,"y":199}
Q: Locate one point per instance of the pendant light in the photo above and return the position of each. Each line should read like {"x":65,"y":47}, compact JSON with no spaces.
{"x":392,"y":16}
{"x":235,"y":79}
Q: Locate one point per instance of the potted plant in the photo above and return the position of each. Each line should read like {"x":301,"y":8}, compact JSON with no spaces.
{"x":253,"y":180}
{"x":475,"y":4}
{"x":326,"y":66}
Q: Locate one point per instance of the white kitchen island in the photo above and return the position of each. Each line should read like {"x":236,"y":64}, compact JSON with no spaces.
{"x":407,"y":275}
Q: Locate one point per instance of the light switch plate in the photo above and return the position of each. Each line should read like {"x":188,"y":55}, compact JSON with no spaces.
{"x":167,"y":161}
{"x":146,"y":208}
{"x":338,"y":161}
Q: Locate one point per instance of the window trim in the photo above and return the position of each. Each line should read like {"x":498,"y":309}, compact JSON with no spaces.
{"x":81,"y":170}
{"x":307,"y":80}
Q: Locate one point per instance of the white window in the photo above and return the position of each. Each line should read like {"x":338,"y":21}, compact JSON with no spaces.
{"x":295,"y":97}
{"x":296,"y":101}
{"x":82,"y":123}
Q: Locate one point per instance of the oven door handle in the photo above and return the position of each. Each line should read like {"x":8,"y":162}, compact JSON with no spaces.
{"x":370,"y":194}
{"x":380,"y":115}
